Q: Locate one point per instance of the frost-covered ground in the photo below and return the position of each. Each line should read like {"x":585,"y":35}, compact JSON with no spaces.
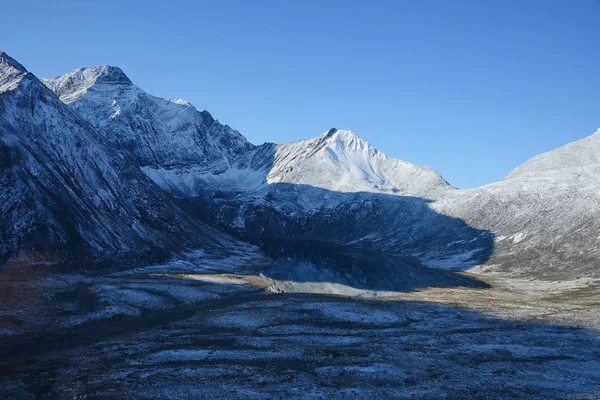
{"x":194,"y":330}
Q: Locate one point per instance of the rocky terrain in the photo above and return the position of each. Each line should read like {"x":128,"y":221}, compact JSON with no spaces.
{"x":210,"y":329}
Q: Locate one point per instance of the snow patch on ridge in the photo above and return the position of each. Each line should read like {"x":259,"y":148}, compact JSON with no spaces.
{"x":180,"y":101}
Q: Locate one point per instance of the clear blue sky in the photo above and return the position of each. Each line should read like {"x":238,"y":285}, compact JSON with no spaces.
{"x":471,"y":88}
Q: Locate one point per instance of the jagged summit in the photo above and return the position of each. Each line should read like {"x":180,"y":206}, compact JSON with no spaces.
{"x":9,"y":61}
{"x":350,"y":139}
{"x":111,"y":74}
{"x":11,"y":72}
{"x":340,"y":138}
{"x":340,"y":134}
{"x":71,"y":86}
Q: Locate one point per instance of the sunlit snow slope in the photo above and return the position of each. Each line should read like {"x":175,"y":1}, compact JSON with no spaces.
{"x":545,"y":214}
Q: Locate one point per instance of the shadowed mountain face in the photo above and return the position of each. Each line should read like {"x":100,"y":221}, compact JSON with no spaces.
{"x":278,"y":220}
{"x":363,"y":240}
{"x":68,"y":196}
{"x":324,"y":268}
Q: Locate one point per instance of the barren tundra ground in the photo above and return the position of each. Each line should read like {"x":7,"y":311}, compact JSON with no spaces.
{"x":186,"y":330}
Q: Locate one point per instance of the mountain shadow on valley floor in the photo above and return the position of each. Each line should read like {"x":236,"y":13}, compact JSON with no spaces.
{"x":367,"y":241}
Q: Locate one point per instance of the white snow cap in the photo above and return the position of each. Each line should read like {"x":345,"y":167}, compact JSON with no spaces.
{"x":340,"y":160}
{"x":348,"y":139}
{"x":179,"y":100}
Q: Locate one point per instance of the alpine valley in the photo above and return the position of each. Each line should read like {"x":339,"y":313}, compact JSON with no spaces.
{"x":140,"y":237}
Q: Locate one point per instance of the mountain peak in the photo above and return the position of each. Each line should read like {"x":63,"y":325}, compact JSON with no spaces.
{"x":6,"y":60}
{"x":73,"y":84}
{"x":11,"y":72}
{"x":101,"y":74}
{"x":111,"y":74}
{"x":345,"y":134}
{"x":346,"y":139}
{"x":342,"y":133}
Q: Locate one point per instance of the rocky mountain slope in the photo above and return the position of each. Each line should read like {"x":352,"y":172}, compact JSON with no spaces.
{"x":66,"y":195}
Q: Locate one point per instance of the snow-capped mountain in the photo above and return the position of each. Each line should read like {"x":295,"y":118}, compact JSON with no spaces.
{"x":335,"y":189}
{"x":66,"y":194}
{"x":338,"y":161}
{"x":328,"y":198}
{"x":184,"y":150}
{"x":341,"y":161}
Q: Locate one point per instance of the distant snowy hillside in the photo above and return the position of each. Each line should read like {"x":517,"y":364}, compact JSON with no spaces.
{"x":577,"y":159}
{"x":545,"y":214}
